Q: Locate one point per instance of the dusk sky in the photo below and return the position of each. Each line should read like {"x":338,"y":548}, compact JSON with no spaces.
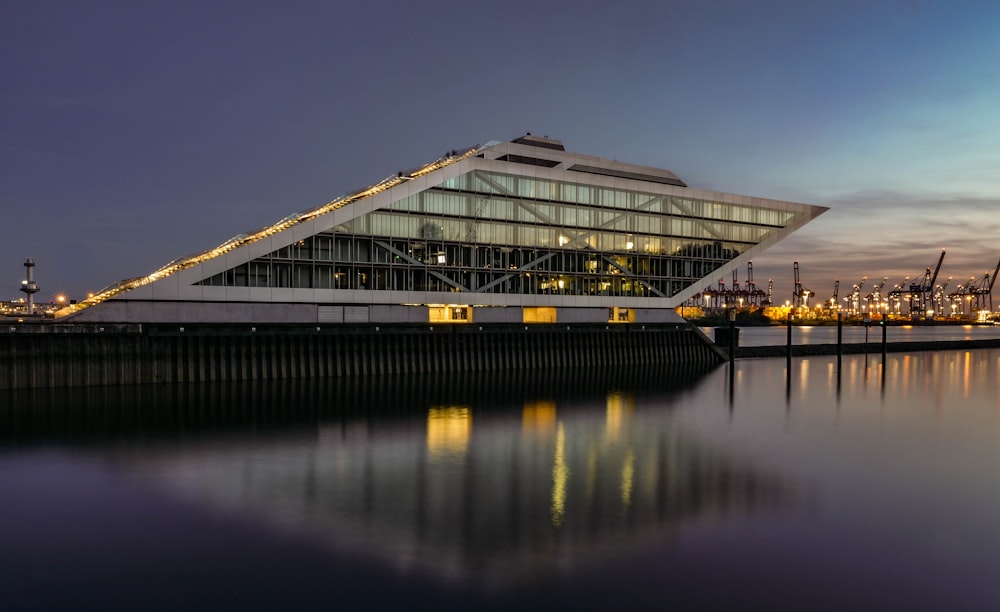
{"x":132,"y":133}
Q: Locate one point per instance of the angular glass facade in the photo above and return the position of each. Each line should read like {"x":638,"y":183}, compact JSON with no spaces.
{"x":519,"y":231}
{"x":491,"y":232}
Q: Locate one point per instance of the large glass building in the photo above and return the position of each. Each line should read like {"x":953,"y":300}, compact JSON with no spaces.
{"x":519,"y":231}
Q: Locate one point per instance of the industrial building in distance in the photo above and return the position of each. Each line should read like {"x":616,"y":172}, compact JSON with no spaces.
{"x":507,"y":232}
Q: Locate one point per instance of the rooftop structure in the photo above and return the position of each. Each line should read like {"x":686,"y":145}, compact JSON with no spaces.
{"x":519,"y":231}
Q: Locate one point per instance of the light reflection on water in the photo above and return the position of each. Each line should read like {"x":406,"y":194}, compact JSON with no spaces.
{"x":489,"y":499}
{"x":776,"y":335}
{"x":873,"y":483}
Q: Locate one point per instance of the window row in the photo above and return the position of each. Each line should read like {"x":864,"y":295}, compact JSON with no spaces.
{"x":637,"y":235}
{"x":367,"y":249}
{"x":387,"y":278}
{"x":494,"y":185}
{"x":468,"y":216}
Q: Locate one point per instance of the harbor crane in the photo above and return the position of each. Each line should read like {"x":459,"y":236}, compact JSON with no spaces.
{"x":854,"y":298}
{"x":756,"y":295}
{"x":875,"y":297}
{"x":836,"y":295}
{"x":919,"y":294}
{"x":738,"y":296}
{"x":961,"y":298}
{"x":800,"y":295}
{"x":710,"y":296}
{"x":940,"y":297}
{"x":978,"y":295}
{"x":987,"y":292}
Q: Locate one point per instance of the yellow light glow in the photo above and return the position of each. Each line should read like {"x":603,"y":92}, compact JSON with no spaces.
{"x":449,"y":313}
{"x":628,"y":478}
{"x":448,"y":430}
{"x":560,"y":478}
{"x":620,"y":408}
{"x":539,"y":314}
{"x":538,"y":416}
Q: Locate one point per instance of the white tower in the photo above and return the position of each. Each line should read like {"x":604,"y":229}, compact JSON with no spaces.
{"x":29,"y":286}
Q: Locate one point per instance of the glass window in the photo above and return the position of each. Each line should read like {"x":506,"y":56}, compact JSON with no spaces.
{"x":324,"y":276}
{"x":303,"y":276}
{"x":260,"y":274}
{"x":282,"y":274}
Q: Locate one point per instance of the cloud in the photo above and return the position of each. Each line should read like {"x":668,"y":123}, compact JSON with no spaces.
{"x":878,"y":233}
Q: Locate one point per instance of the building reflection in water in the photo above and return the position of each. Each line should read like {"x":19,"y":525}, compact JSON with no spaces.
{"x":448,"y":430}
{"x":484,"y":479}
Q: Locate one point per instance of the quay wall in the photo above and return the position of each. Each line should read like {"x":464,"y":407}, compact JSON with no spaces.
{"x":52,"y":355}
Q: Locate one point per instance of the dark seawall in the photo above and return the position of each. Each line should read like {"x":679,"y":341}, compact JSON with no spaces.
{"x":50,"y":355}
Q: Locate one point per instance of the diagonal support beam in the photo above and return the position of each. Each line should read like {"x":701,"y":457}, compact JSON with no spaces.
{"x":500,"y":189}
{"x":632,"y":275}
{"x":417,"y":262}
{"x":528,"y":266}
{"x":712,"y":232}
{"x":581,"y":236}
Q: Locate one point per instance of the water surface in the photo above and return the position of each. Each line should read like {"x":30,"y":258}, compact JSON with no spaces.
{"x":776,"y":335}
{"x":874,"y":489}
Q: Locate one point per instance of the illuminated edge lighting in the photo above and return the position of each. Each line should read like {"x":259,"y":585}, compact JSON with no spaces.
{"x":240,"y":240}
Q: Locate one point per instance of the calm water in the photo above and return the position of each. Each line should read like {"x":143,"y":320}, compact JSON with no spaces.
{"x":856,"y":334}
{"x":863,"y":492}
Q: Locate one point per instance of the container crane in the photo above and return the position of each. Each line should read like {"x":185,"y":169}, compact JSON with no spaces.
{"x":993,"y":281}
{"x":898,"y":293}
{"x":738,"y":295}
{"x":715,"y":297}
{"x":940,"y":296}
{"x":919,"y":295}
{"x":962,"y":295}
{"x":834,"y":303}
{"x":710,"y":297}
{"x":982,"y":291}
{"x":800,"y":295}
{"x":875,"y":297}
{"x":756,"y":295}
{"x":854,"y":299}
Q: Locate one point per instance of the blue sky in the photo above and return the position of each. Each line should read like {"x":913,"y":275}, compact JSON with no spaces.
{"x":132,"y":133}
